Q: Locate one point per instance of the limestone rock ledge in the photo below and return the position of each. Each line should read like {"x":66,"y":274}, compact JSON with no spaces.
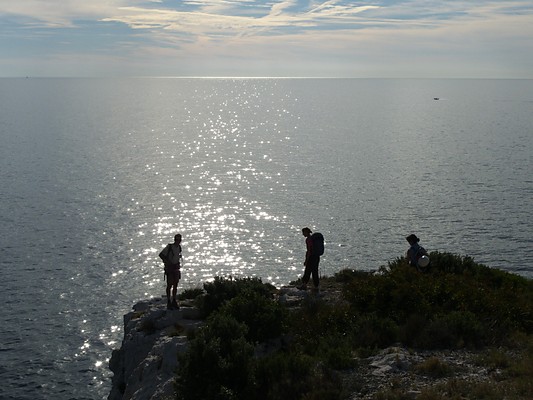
{"x":144,"y":366}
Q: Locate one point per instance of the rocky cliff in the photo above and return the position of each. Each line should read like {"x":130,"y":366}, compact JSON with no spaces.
{"x":144,"y":367}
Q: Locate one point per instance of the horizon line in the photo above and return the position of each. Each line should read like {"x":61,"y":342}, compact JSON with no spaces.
{"x":248,"y":77}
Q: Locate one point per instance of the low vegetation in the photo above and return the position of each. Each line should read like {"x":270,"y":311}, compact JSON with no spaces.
{"x":255,"y":347}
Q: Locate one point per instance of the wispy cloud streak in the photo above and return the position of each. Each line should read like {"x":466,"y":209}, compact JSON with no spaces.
{"x":305,"y":31}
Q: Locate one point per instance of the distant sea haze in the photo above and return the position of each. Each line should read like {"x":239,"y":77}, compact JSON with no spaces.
{"x":99,"y":174}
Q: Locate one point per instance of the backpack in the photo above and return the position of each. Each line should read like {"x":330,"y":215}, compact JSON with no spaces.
{"x":318,"y":244}
{"x":169,"y":254}
{"x":420,"y":251}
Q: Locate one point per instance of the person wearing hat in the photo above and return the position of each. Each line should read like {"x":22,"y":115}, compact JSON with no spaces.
{"x":415,"y":251}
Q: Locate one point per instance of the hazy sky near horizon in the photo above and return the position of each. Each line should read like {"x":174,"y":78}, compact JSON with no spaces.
{"x":374,"y":38}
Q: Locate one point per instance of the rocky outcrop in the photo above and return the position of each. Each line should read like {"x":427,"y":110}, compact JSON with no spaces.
{"x":144,"y":367}
{"x":412,"y":371}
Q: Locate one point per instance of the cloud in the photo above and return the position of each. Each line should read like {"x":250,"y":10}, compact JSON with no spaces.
{"x":237,"y":19}
{"x":279,"y":31}
{"x":53,"y":13}
{"x":228,"y":21}
{"x":241,"y":17}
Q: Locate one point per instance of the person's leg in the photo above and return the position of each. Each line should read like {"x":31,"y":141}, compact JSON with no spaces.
{"x":315,"y":263}
{"x":169,"y":285}
{"x":315,"y":277}
{"x":175,"y":292}
{"x":305,"y":277}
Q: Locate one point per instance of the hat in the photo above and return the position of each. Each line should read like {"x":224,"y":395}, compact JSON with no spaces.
{"x":412,"y":238}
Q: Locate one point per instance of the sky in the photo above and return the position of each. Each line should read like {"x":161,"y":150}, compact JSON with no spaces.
{"x":248,"y":38}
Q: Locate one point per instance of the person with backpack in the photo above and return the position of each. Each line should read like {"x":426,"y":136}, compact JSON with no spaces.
{"x":415,"y":253}
{"x":314,"y":243}
{"x":171,"y":256}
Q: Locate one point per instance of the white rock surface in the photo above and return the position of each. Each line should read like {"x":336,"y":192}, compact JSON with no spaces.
{"x":144,"y":367}
{"x":392,"y":359}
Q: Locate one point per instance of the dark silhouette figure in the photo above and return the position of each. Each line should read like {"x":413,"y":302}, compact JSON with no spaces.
{"x":415,"y":252}
{"x":312,"y":259}
{"x":171,"y":256}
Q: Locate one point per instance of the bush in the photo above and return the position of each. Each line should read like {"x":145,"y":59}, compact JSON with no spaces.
{"x":433,"y":368}
{"x":218,"y":362}
{"x":295,"y":376}
{"x":395,"y":294}
{"x":223,"y":289}
{"x":374,"y":332}
{"x":191,"y":294}
{"x":454,"y":330}
{"x":456,"y":303}
{"x":263,"y":317}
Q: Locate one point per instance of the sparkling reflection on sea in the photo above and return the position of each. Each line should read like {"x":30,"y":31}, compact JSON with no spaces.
{"x":98,"y":175}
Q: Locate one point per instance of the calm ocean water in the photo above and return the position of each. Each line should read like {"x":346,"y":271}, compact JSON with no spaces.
{"x":97,"y":175}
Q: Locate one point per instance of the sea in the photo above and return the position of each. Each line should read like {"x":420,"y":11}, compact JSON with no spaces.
{"x":97,"y":175}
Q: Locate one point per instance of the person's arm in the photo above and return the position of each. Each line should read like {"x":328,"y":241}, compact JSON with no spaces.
{"x":408,"y":255}
{"x":309,"y":245}
{"x":164,"y":254}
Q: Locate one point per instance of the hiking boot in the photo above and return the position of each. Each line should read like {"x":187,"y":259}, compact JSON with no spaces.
{"x":169,"y":305}
{"x":301,"y":287}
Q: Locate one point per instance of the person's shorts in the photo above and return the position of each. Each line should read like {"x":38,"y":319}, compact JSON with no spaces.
{"x":173,"y":275}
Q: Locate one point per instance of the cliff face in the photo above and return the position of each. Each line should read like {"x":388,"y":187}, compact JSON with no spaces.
{"x":144,"y":367}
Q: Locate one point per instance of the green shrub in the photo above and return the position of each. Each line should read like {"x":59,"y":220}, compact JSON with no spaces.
{"x":324,"y":331}
{"x":456,"y":303}
{"x":317,"y":326}
{"x":337,"y":352}
{"x":294,"y":376}
{"x":223,"y":289}
{"x":454,"y":330}
{"x":190,"y":294}
{"x":434,"y":368}
{"x":494,"y":359}
{"x":218,"y":362}
{"x":263,"y":317}
{"x":395,"y":294}
{"x":410,"y":331}
{"x":372,"y":331}
{"x":348,"y":275}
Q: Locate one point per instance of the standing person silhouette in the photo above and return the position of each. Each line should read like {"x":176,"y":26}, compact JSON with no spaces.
{"x":415,"y":251}
{"x":171,"y":256}
{"x":312,"y":259}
